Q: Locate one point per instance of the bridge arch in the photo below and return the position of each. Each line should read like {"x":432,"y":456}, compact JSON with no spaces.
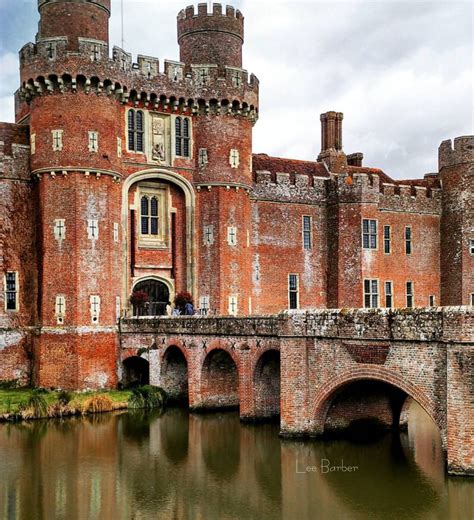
{"x":136,"y":371}
{"x":219,"y":380}
{"x":266,"y":381}
{"x":326,"y":393}
{"x":174,"y":373}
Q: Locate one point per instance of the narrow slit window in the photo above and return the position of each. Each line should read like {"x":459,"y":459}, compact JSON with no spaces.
{"x":307,"y":238}
{"x":387,"y":246}
{"x":409,"y":295}
{"x":388,"y":295}
{"x":408,"y":241}
{"x":11,"y":291}
{"x":293,"y":289}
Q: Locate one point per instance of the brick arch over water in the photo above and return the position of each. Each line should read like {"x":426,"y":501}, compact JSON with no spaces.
{"x":325,"y":394}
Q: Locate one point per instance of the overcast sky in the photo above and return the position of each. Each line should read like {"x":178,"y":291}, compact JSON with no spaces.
{"x":402,"y":72}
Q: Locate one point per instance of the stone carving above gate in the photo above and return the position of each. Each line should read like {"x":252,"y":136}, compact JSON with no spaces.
{"x":160,"y":139}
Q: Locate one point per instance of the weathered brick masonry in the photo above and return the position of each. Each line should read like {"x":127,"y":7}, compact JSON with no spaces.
{"x":121,"y":176}
{"x":321,"y":370}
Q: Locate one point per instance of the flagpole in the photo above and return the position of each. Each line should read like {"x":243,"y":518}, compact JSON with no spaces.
{"x":121,"y":12}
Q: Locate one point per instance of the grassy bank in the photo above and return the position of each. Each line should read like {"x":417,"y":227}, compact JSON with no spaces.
{"x":27,"y":403}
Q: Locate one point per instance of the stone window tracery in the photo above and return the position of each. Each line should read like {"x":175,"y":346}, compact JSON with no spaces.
{"x":136,"y":129}
{"x":153,"y":221}
{"x":410,"y":295}
{"x":182,"y":137}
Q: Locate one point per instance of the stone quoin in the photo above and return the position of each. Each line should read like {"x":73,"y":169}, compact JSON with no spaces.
{"x":123,"y":177}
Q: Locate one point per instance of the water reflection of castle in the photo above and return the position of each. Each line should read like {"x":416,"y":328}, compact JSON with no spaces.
{"x":182,"y":466}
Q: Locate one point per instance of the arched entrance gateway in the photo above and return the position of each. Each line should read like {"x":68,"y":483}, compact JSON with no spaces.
{"x":157,"y":295}
{"x":158,"y":247}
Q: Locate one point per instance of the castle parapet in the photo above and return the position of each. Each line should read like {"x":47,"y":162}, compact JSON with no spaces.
{"x":462,"y":152}
{"x":286,"y":187}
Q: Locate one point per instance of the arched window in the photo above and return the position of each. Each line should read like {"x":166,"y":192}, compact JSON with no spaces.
{"x":183,"y":136}
{"x":135,"y":130}
{"x":149,"y":215}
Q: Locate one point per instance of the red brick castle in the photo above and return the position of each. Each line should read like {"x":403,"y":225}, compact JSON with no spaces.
{"x":120,"y":177}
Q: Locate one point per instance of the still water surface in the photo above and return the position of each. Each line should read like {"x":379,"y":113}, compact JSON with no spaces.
{"x":181,"y":466}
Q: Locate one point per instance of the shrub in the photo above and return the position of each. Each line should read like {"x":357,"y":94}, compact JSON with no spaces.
{"x":10,"y":384}
{"x":35,"y":406}
{"x":147,"y":397}
{"x":139,"y":298}
{"x":64,"y":397}
{"x":98,"y":403}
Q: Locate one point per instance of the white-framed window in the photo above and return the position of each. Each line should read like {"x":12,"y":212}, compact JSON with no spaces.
{"x":182,"y":127}
{"x":472,"y":299}
{"x":202,"y":157}
{"x":408,"y":240}
{"x":93,"y":141}
{"x":11,"y":291}
{"x":33,"y":144}
{"x":208,"y":235}
{"x":410,"y":294}
{"x":149,"y":216}
{"x":57,"y":136}
{"x":431,"y":300}
{"x":234,"y":158}
{"x":307,"y":233}
{"x":371,"y":293}
{"x":119,"y":147}
{"x":92,"y":229}
{"x":94,"y":303}
{"x":116,"y":232}
{"x":389,"y":295}
{"x":471,"y":247}
{"x":369,"y":234}
{"x":59,"y":229}
{"x":387,"y":240}
{"x":136,"y":130}
{"x":60,"y":308}
{"x":232,"y":236}
{"x":153,"y":220}
{"x":293,"y":291}
{"x":233,"y":306}
{"x":204,"y":305}
{"x":118,"y":307}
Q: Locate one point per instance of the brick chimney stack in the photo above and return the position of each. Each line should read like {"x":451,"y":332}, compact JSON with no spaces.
{"x":331,"y":141}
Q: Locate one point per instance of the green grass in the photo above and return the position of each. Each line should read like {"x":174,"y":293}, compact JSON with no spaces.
{"x":10,"y":399}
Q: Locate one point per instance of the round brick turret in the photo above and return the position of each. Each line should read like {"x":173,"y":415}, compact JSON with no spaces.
{"x":74,"y":19}
{"x":211,"y":38}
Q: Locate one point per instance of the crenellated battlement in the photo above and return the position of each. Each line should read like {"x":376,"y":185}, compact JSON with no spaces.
{"x":199,"y":89}
{"x":354,"y":188}
{"x":190,"y":12}
{"x":286,"y":187}
{"x":461,"y":152}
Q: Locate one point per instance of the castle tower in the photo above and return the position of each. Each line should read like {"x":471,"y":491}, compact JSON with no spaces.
{"x":456,"y":167}
{"x":74,"y":159}
{"x":214,"y":38}
{"x":74,"y":20}
{"x":211,"y":48}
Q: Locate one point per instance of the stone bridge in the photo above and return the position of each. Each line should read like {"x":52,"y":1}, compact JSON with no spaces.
{"x":319,"y":371}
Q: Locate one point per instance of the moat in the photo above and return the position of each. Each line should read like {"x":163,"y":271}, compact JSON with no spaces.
{"x":178,"y":465}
